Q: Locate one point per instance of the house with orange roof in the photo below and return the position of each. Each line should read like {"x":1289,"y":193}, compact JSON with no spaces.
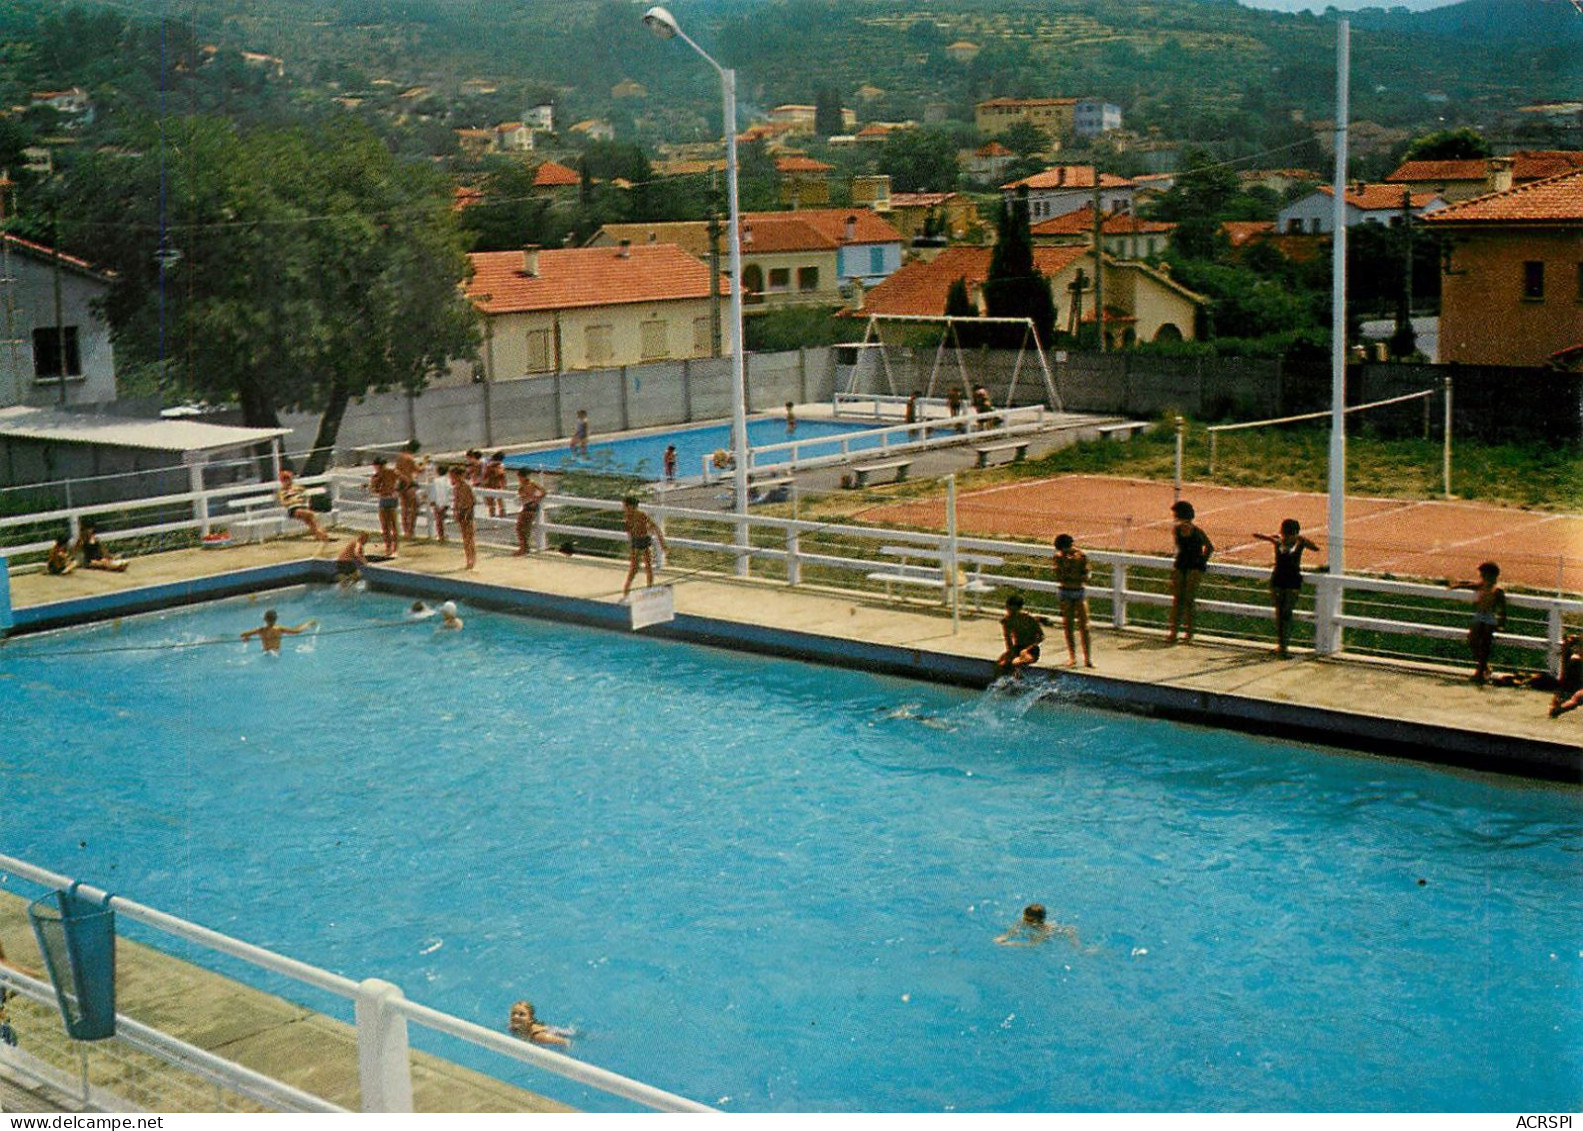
{"x":994,"y":116}
{"x":1141,"y":303}
{"x":1364,"y":204}
{"x":988,"y":162}
{"x":547,"y":311}
{"x":801,"y":258}
{"x":1066,"y":188}
{"x":1122,"y":234}
{"x":804,"y":182}
{"x":76,"y":347}
{"x":1511,"y":290}
{"x":1465,"y":179}
{"x":948,"y":215}
{"x":554,"y":179}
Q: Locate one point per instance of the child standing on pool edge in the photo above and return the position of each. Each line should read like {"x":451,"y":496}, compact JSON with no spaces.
{"x":1193,"y":548}
{"x":1286,"y":580}
{"x":1489,"y":615}
{"x":1071,"y":575}
{"x":641,"y":533}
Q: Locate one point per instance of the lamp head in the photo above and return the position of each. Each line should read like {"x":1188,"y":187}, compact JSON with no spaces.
{"x":661,"y":22}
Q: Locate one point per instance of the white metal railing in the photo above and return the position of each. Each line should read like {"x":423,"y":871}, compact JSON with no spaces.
{"x":381,"y":1013}
{"x":356,"y":508}
{"x":875,"y":443}
{"x":75,"y":485}
{"x":200,"y":505}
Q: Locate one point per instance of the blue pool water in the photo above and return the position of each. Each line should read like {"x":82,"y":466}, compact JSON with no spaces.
{"x":772,"y":886}
{"x":645,"y":455}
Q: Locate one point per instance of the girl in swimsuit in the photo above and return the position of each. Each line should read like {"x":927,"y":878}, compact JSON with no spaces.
{"x":1193,"y":548}
{"x":1286,"y":580}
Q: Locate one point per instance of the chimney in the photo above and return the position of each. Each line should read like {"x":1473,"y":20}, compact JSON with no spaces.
{"x":849,"y":229}
{"x":747,"y":234}
{"x":530,"y":260}
{"x":654,"y":238}
{"x":1499,"y":178}
{"x":624,"y":249}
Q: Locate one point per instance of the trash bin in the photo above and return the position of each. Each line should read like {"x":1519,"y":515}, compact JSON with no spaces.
{"x":76,"y":936}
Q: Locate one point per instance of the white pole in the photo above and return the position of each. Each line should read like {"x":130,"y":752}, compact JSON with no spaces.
{"x":1181,"y":427}
{"x":739,"y":417}
{"x":1445,"y":458}
{"x":1330,"y":636}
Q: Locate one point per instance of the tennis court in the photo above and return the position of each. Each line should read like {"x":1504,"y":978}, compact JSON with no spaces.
{"x":1401,"y":537}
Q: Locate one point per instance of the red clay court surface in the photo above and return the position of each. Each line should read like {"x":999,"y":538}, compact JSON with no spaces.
{"x":1402,"y":537}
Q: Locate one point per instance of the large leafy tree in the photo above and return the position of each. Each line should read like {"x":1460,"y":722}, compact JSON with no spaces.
{"x":920,"y":160}
{"x":1448,"y":145}
{"x":277,"y":268}
{"x":1200,"y":199}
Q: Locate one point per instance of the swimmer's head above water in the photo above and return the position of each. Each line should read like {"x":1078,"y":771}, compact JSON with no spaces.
{"x":1033,"y":914}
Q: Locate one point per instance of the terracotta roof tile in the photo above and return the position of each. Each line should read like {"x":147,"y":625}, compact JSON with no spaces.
{"x":1114,"y":224}
{"x":831,"y":223}
{"x":570,"y":278}
{"x":921,"y":288}
{"x":551,"y":174}
{"x":1381,"y":198}
{"x":801,"y":165}
{"x":1241,"y":232}
{"x":1070,"y":176}
{"x":1551,"y":201}
{"x":1527,"y":165}
{"x":919,"y":199}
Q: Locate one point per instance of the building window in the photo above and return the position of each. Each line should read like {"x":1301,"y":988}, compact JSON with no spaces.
{"x":599,"y":347}
{"x":752,"y":283}
{"x":653,"y":340}
{"x":1534,"y":280}
{"x":808,"y":278}
{"x":48,"y":343}
{"x":538,"y":359}
{"x":780,"y":280}
{"x":703,"y":337}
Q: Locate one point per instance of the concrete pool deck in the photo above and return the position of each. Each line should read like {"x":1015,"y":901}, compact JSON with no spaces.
{"x":1388,"y":706}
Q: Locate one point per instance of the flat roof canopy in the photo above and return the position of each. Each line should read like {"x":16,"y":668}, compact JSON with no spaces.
{"x":50,"y":426}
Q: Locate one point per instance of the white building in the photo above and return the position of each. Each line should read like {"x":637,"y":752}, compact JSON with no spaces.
{"x":1092,"y":117}
{"x":1067,"y":188}
{"x":1365,"y":204}
{"x":542,"y":117}
{"x":35,"y":346}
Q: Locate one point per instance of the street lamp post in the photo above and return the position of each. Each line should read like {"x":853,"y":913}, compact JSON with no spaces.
{"x":664,"y":25}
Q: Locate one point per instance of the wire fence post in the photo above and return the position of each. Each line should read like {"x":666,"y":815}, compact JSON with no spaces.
{"x":384,"y":1071}
{"x":1181,"y":428}
{"x":1446,"y":452}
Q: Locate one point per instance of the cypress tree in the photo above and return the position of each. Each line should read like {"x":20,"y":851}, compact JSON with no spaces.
{"x":1015,"y":288}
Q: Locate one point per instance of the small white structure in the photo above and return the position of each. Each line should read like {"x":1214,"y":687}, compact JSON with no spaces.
{"x":1365,"y":204}
{"x":39,"y":350}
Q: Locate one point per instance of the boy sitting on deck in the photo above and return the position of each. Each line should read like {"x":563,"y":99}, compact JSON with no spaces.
{"x":1023,"y":636}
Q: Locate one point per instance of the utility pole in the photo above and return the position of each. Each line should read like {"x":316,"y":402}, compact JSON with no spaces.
{"x":1099,"y":270}
{"x":714,"y":282}
{"x":8,"y":285}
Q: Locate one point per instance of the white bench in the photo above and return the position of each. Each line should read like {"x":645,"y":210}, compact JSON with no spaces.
{"x":1018,"y":450}
{"x":776,"y":490}
{"x":862,"y":471}
{"x":1125,"y":430}
{"x":255,"y":525}
{"x":931,"y":575}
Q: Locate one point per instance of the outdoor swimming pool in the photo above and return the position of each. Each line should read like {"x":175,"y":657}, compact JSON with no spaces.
{"x":772,"y":886}
{"x":645,"y":455}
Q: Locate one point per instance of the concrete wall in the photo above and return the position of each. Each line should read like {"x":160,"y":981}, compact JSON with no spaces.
{"x":35,"y":310}
{"x":505,"y":413}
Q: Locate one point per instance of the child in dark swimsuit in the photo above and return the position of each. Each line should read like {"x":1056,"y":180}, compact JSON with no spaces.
{"x":94,"y":555}
{"x":1193,"y":548}
{"x":1286,"y":580}
{"x":1071,"y":574}
{"x":641,"y":533}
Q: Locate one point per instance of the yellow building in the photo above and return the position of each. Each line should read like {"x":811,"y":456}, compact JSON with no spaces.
{"x":1512,"y":290}
{"x":589,"y":308}
{"x":1055,"y":116}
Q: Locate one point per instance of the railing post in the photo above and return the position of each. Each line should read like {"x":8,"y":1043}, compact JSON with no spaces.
{"x":1328,"y":636}
{"x":384,"y":1069}
{"x":793,"y":548}
{"x":1118,"y":596}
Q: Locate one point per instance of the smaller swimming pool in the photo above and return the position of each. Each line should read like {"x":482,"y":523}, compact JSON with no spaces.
{"x":645,"y":455}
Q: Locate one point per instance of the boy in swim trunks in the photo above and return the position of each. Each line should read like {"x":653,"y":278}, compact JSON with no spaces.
{"x":463,"y":501}
{"x":1023,"y":636}
{"x":1071,"y":574}
{"x":407,"y":471}
{"x":641,"y":534}
{"x":269,"y":633}
{"x":529,"y":496}
{"x":352,"y":558}
{"x":385,"y":484}
{"x":294,"y":501}
{"x":1489,"y":615}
